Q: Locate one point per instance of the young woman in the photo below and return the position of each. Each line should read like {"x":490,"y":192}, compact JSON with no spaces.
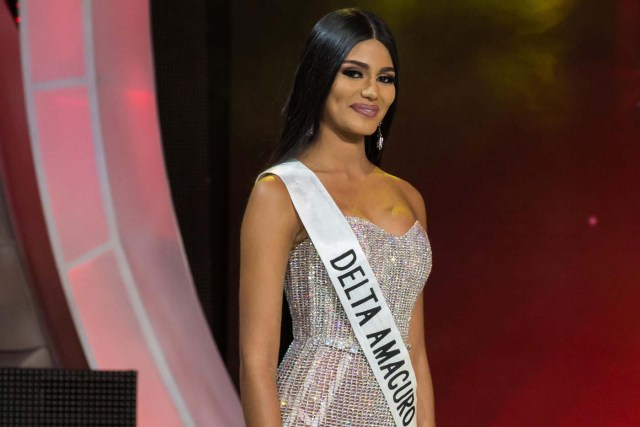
{"x":337,"y":120}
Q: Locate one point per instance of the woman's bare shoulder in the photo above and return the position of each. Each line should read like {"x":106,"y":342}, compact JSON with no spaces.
{"x":270,"y":205}
{"x":410,"y":193}
{"x":269,"y":193}
{"x":271,"y":189}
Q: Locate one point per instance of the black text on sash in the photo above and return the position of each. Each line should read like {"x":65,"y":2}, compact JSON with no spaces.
{"x":363,"y":301}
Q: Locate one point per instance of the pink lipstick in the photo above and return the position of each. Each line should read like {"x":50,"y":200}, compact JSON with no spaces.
{"x":367,"y":110}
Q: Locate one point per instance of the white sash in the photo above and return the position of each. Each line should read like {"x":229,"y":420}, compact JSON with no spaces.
{"x":356,"y":286}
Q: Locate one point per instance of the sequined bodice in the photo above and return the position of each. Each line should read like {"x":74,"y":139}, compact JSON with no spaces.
{"x":324,"y":376}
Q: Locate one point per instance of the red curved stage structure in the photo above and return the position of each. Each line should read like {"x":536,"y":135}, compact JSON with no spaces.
{"x":97,"y":155}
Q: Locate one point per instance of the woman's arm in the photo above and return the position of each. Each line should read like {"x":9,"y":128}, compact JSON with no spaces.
{"x":418,"y":353}
{"x":269,"y":228}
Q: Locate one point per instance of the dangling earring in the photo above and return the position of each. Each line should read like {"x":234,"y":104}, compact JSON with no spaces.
{"x":380,"y":138}
{"x":309,"y":131}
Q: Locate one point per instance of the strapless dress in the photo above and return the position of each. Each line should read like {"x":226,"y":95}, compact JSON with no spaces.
{"x":324,"y":378}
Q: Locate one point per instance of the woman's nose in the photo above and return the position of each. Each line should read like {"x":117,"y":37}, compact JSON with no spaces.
{"x":370,"y":90}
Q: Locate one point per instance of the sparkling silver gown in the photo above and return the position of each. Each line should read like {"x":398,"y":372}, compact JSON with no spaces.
{"x":324,"y":379}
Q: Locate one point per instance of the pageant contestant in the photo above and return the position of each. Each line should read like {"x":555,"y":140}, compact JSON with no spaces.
{"x":345,"y":240}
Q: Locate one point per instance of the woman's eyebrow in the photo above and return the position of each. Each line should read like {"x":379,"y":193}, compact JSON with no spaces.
{"x":366,"y":66}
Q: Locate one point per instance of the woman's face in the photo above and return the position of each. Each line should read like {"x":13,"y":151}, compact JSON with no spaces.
{"x":362,"y":91}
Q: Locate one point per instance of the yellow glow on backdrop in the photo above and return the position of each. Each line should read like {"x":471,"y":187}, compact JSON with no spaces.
{"x":518,"y":63}
{"x":396,"y":12}
{"x":531,"y":16}
{"x":544,"y":14}
{"x":529,"y":76}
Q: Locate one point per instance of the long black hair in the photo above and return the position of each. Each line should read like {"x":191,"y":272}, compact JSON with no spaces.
{"x":329,"y":43}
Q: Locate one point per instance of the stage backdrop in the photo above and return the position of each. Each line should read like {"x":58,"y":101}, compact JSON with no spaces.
{"x":519,"y":123}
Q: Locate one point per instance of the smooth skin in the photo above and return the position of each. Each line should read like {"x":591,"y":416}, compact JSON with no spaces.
{"x":271,"y":228}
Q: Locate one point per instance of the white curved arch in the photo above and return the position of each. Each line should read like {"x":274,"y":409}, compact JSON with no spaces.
{"x":90,"y":96}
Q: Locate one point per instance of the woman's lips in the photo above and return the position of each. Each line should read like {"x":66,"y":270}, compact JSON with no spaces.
{"x":366,"y":110}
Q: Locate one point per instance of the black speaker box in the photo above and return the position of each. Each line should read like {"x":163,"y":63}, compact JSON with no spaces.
{"x":65,"y":397}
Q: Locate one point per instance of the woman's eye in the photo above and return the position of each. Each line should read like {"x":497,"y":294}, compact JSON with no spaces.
{"x":354,"y":74}
{"x":387,"y":79}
